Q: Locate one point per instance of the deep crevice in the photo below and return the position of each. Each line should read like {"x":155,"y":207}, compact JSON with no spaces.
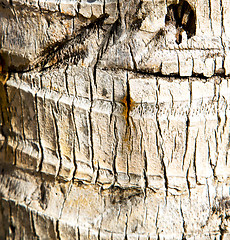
{"x":183,"y":17}
{"x":57,"y":230}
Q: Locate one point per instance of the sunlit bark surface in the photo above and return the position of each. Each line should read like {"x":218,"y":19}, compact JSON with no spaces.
{"x":115,"y":119}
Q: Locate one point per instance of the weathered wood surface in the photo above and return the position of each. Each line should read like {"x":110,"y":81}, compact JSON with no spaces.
{"x":115,"y":119}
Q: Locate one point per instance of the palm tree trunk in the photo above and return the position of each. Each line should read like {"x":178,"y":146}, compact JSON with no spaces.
{"x":115,"y":119}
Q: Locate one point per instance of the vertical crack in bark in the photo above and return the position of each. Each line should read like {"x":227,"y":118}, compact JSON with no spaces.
{"x":217,"y":88}
{"x":128,"y":157}
{"x":141,"y":139}
{"x":218,"y":133}
{"x":115,"y":135}
{"x":127,"y":102}
{"x":90,"y":127}
{"x":160,"y":142}
{"x":22,"y":116}
{"x":33,"y":224}
{"x":96,"y":173}
{"x":75,"y":128}
{"x":99,"y":234}
{"x":187,"y":125}
{"x":114,"y":153}
{"x":183,"y":222}
{"x":133,"y":58}
{"x":156,"y":222}
{"x":57,"y":230}
{"x":145,"y":162}
{"x":194,"y":158}
{"x":187,"y":181}
{"x":65,"y":198}
{"x":78,"y":233}
{"x":217,"y":150}
{"x":145,"y":173}
{"x":58,"y":150}
{"x":74,"y":161}
{"x":39,"y":6}
{"x":209,"y":199}
{"x":104,"y":7}
{"x":210,"y":15}
{"x":15,"y":154}
{"x":118,"y":9}
{"x":119,"y":213}
{"x":170,"y":92}
{"x":228,"y":149}
{"x":95,"y":69}
{"x":211,"y":207}
{"x":5,"y":127}
{"x":210,"y":162}
{"x":12,"y":228}
{"x":225,"y":117}
{"x":66,"y":79}
{"x":126,"y":227}
{"x":222,"y":27}
{"x":113,"y":104}
{"x":103,"y":47}
{"x":74,"y":142}
{"x":39,"y":134}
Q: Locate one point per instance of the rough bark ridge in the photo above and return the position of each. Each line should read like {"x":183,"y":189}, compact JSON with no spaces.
{"x":115,"y":119}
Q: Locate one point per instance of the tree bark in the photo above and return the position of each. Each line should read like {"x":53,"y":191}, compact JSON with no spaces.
{"x":115,"y":119}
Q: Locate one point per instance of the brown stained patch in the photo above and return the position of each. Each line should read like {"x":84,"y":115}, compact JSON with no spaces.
{"x":129,"y":104}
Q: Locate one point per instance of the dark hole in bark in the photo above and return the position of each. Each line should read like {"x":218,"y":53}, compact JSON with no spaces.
{"x":183,"y":17}
{"x":43,"y":193}
{"x":12,"y":228}
{"x":104,"y":92}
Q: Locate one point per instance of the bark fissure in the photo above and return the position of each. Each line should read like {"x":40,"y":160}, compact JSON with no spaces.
{"x":114,"y":152}
{"x":75,"y":129}
{"x":39,"y":135}
{"x":33,"y":224}
{"x":57,"y":230}
{"x":22,"y":117}
{"x":133,"y":58}
{"x":210,"y":15}
{"x":195,"y":158}
{"x":90,"y":128}
{"x":64,"y":201}
{"x":145,"y":169}
{"x":66,"y":80}
{"x":156,"y":222}
{"x":187,"y":181}
{"x":58,"y":150}
{"x":183,"y":222}
{"x":222,"y":28}
{"x":187,"y":124}
{"x":160,"y":142}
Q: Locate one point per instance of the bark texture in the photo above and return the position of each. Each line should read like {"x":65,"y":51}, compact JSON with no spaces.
{"x":115,"y":119}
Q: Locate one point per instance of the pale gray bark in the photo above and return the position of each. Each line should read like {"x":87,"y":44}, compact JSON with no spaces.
{"x":115,"y":119}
